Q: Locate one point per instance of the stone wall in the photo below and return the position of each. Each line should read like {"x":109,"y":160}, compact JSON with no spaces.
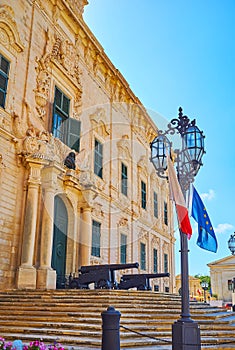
{"x":48,"y":45}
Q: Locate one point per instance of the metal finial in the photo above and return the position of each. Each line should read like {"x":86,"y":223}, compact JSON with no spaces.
{"x":180,"y":112}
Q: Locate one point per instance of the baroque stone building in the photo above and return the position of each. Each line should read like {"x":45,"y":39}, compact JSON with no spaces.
{"x":60,"y":94}
{"x":222,"y":273}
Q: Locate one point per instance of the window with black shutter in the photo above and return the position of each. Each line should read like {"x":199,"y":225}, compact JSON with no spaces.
{"x":74,"y":130}
{"x":166,"y":263}
{"x":143,"y":195}
{"x":63,"y":127}
{"x":124,"y":179}
{"x":123,"y":249}
{"x":165,"y":214}
{"x":155,"y":260}
{"x":98,"y":159}
{"x":4,"y":71}
{"x":155,"y":204}
{"x":142,"y":256}
{"x":95,"y":246}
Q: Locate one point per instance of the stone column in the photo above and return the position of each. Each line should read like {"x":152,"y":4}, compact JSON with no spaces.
{"x":46,"y":276}
{"x":26,"y":274}
{"x":85,"y":237}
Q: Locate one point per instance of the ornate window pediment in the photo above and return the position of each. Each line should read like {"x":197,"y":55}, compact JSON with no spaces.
{"x":64,"y":55}
{"x":142,"y":166}
{"x":141,"y":125}
{"x":123,"y":222}
{"x":155,"y":242}
{"x":9,"y":35}
{"x":97,"y":210}
{"x":143,"y":235}
{"x":99,"y":122}
{"x":124,"y":147}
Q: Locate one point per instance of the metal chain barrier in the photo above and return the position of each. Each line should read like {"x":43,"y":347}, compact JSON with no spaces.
{"x":169,"y":341}
{"x":145,"y":335}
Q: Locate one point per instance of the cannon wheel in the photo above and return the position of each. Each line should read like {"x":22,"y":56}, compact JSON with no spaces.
{"x":141,"y":287}
{"x":73,"y":284}
{"x":103,"y":284}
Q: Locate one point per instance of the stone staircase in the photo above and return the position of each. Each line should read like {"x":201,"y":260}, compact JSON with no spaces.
{"x":73,"y":318}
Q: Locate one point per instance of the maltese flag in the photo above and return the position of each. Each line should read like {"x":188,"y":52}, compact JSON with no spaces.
{"x":178,"y":198}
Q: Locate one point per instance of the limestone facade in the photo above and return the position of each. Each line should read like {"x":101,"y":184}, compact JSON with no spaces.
{"x":222,"y":273}
{"x":45,"y":48}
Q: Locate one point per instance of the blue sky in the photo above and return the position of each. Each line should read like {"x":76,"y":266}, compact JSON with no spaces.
{"x":182,"y":53}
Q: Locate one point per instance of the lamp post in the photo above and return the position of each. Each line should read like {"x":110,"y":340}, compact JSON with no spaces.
{"x":185,"y":331}
{"x":204,"y":287}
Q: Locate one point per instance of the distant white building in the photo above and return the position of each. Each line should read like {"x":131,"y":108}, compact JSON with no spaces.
{"x":222,"y":273}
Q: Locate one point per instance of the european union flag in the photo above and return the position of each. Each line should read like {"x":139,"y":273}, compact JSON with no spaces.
{"x":206,"y":235}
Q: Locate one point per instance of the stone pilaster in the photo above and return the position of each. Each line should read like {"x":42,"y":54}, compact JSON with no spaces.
{"x":46,"y":276}
{"x":85,"y":237}
{"x":26,"y":274}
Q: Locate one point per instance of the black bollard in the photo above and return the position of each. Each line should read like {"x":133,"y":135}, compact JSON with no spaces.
{"x":111,"y":329}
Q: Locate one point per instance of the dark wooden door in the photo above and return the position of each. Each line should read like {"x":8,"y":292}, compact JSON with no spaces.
{"x":58,"y":262}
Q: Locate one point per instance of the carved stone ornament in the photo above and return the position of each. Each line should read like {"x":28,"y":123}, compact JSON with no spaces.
{"x":9,"y":35}
{"x":86,"y":178}
{"x":63,"y":54}
{"x":43,"y":146}
{"x":77,"y":6}
{"x":155,"y":242}
{"x":26,"y":123}
{"x":123,"y":222}
{"x":143,"y":234}
{"x":99,"y":122}
{"x":124,"y":147}
{"x":95,"y":261}
{"x":141,"y":125}
{"x":165,"y":247}
{"x":142,"y":165}
{"x":97,"y":210}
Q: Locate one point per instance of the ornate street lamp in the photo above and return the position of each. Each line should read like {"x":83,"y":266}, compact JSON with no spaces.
{"x":204,"y":287}
{"x":231,"y":244}
{"x":185,"y":331}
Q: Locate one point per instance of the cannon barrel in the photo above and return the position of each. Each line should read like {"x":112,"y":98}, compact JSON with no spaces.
{"x":111,"y":267}
{"x":139,"y":281}
{"x":148,"y":275}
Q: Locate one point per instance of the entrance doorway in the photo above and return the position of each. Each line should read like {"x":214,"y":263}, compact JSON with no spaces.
{"x":58,"y":262}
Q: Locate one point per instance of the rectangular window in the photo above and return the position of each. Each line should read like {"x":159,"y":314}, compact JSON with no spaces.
{"x":142,"y":256}
{"x":98,"y":162}
{"x":123,"y":249}
{"x":166,"y":263}
{"x":64,"y":128}
{"x":124,"y":179}
{"x":155,"y":261}
{"x":165,"y":214}
{"x":4,"y":74}
{"x":155,"y":205}
{"x":230,"y":285}
{"x":95,"y":246}
{"x":143,"y":194}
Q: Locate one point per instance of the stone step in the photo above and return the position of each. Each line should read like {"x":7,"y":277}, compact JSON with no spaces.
{"x":74,"y":318}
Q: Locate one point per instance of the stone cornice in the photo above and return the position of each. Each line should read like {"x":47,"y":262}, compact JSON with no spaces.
{"x":75,"y":6}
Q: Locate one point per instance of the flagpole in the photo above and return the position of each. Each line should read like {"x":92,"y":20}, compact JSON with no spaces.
{"x":185,"y":302}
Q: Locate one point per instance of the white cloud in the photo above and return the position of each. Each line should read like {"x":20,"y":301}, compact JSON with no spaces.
{"x":222,"y":228}
{"x":208,"y":196}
